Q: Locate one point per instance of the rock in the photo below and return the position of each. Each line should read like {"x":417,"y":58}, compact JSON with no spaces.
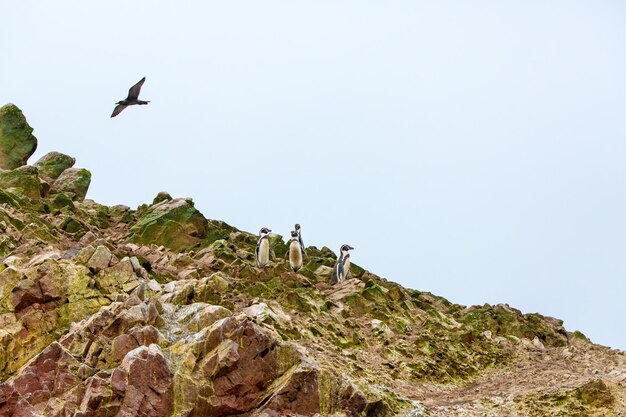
{"x":26,"y":293}
{"x":161,"y":196}
{"x":596,"y":394}
{"x":84,"y":254}
{"x":23,"y":180}
{"x":124,"y":343}
{"x":52,"y":372}
{"x":42,"y":257}
{"x":144,"y":382}
{"x":17,"y":142}
{"x":100,"y":259}
{"x":96,"y":400}
{"x":379,"y":328}
{"x":73,"y":180}
{"x":118,"y":277}
{"x":52,"y":164}
{"x":242,"y":366}
{"x":154,"y":286}
{"x":60,"y":201}
{"x":203,"y":316}
{"x":175,"y":224}
{"x":261,"y":313}
{"x":278,"y":245}
{"x":298,"y":393}
{"x":121,"y":214}
{"x":537,"y":343}
{"x":324,"y":271}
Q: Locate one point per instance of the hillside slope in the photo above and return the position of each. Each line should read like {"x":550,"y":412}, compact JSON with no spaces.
{"x":108,"y":311}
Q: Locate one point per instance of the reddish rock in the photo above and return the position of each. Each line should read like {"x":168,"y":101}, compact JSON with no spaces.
{"x":50,"y":374}
{"x":241,"y":368}
{"x":124,"y":343}
{"x":26,"y":293}
{"x":98,"y":395}
{"x":299,"y":394}
{"x":144,"y":382}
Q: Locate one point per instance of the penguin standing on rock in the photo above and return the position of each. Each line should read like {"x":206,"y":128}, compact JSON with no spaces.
{"x":342,"y":267}
{"x":263,"y":248}
{"x":295,"y":252}
{"x":297,"y":227}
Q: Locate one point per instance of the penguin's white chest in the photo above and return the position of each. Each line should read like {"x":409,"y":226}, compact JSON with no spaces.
{"x":264,"y":252}
{"x":295,"y":255}
{"x":346,"y":268}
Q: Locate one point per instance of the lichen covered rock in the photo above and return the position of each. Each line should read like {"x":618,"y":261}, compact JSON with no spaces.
{"x":175,"y":224}
{"x":52,"y":164}
{"x":23,"y":180}
{"x":73,"y":180}
{"x":17,"y":142}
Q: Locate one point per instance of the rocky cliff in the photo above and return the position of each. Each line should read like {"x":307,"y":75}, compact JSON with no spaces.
{"x":159,"y":311}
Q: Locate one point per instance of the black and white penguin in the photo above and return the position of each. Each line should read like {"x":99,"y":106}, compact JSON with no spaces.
{"x":342,"y":267}
{"x":263,"y":248}
{"x":297,"y":227}
{"x":295,"y":252}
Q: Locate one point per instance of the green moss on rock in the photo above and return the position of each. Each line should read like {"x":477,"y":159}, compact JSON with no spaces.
{"x":503,"y":320}
{"x":595,"y":394}
{"x":277,"y":244}
{"x":52,"y":164}
{"x":73,"y":180}
{"x":17,"y":142}
{"x":60,"y":201}
{"x":23,"y":180}
{"x":175,"y":224}
{"x":8,"y":198}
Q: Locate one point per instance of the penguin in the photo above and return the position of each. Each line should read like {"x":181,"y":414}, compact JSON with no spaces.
{"x":297,"y":227}
{"x":263,"y":248}
{"x":133,"y":98}
{"x":295,"y":252}
{"x":342,"y":267}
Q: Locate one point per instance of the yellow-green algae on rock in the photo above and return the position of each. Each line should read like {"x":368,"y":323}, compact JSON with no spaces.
{"x":17,"y":142}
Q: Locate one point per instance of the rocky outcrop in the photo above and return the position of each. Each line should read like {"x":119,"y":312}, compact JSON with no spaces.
{"x":109,"y":311}
{"x":23,"y":180}
{"x":161,"y":196}
{"x":144,"y":383}
{"x":51,"y":374}
{"x":52,"y":164}
{"x":17,"y":142}
{"x":175,"y":224}
{"x":73,"y":181}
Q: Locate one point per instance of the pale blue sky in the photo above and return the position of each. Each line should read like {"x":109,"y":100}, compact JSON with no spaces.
{"x":473,"y":149}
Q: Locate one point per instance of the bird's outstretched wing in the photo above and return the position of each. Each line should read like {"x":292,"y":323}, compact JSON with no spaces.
{"x":118,"y":109}
{"x":133,"y":93}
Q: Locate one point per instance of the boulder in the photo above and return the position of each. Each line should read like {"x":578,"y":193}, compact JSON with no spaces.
{"x":52,"y":372}
{"x":175,"y":224}
{"x":73,"y":180}
{"x":144,"y":382}
{"x":100,"y":259}
{"x":52,"y":164}
{"x":17,"y":142}
{"x":23,"y":180}
{"x":161,"y":196}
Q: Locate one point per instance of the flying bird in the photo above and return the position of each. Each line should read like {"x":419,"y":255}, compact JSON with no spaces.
{"x":133,"y":98}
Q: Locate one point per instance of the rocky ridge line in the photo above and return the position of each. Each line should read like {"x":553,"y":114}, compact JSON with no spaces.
{"x":108,"y":311}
